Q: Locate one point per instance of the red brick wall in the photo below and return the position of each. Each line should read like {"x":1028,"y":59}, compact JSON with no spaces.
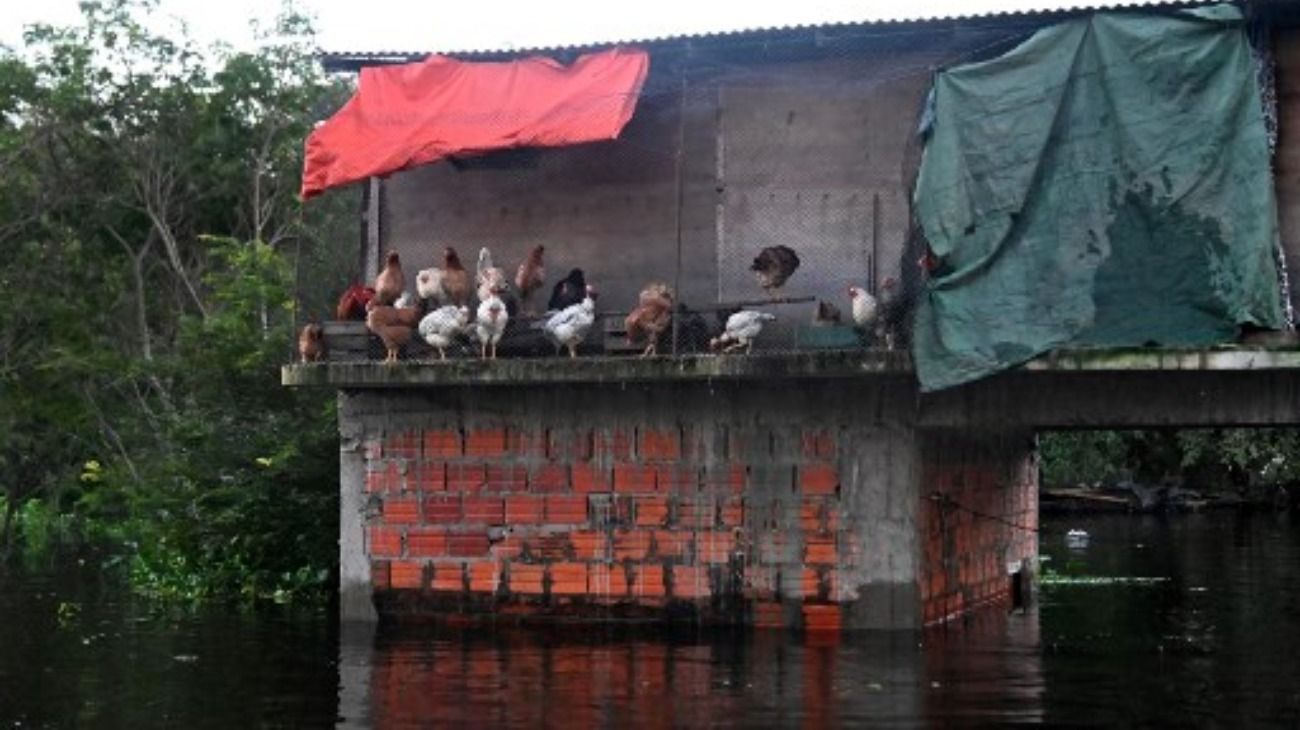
{"x":702,"y":522}
{"x":978,"y":514}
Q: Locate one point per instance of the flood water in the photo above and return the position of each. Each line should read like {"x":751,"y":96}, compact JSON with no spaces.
{"x":1214,"y":642}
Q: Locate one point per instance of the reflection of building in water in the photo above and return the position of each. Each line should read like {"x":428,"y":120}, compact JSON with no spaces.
{"x":989,"y":665}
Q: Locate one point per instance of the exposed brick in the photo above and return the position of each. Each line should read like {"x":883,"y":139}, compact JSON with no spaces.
{"x":760,"y":582}
{"x":527,"y":579}
{"x":442,"y":510}
{"x":466,"y":477}
{"x":467,"y":545}
{"x":429,"y":476}
{"x":449,"y":577}
{"x":385,"y":542}
{"x":549,"y":478}
{"x":698,"y":512}
{"x":510,"y":546}
{"x":651,"y":511}
{"x":660,"y":444}
{"x":818,"y":617}
{"x":484,"y":511}
{"x":631,"y":545}
{"x":373,"y":449}
{"x":675,"y":478}
{"x":404,"y":445}
{"x":634,"y":478}
{"x":690,"y":581}
{"x":588,"y":478}
{"x":605,"y":580}
{"x":724,"y":478}
{"x":819,"y":550}
{"x":566,"y":509}
{"x":386,"y":478}
{"x":524,"y":510}
{"x":772,"y":549}
{"x":406,"y":574}
{"x":818,"y":444}
{"x":810,"y":515}
{"x":568,"y":579}
{"x":426,"y":543}
{"x":526,"y":443}
{"x":568,"y":445}
{"x":552,"y":546}
{"x":610,"y":444}
{"x":818,"y":478}
{"x":505,"y":478}
{"x":714,"y":547}
{"x":485,"y":442}
{"x":673,"y":543}
{"x":749,"y":444}
{"x":648,"y":581}
{"x":380,"y":578}
{"x":732,"y":513}
{"x":590,"y":545}
{"x":809,"y":583}
{"x":401,"y":511}
{"x":484,"y":577}
{"x":441,"y":442}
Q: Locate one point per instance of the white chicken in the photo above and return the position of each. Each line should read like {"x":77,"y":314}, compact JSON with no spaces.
{"x":428,"y":285}
{"x":742,"y":329}
{"x":570,"y":325}
{"x":489,"y":280}
{"x":441,"y":326}
{"x":865,"y":308}
{"x":490,"y":323}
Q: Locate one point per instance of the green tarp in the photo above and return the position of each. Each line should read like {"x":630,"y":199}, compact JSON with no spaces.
{"x":1105,"y":183}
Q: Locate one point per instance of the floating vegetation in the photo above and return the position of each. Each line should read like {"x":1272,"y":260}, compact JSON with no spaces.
{"x":1052,"y":578}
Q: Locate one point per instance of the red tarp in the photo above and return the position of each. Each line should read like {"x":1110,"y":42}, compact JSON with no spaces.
{"x":412,"y":114}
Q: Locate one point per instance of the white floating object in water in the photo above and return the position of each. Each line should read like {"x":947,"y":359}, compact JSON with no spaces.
{"x":1076,"y":538}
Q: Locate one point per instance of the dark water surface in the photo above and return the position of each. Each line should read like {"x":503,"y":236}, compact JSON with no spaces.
{"x":1217,"y":643}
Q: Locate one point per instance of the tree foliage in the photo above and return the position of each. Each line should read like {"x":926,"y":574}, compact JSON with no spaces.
{"x":149,"y":290}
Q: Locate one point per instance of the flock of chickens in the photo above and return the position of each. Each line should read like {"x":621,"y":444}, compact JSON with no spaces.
{"x":440,"y":311}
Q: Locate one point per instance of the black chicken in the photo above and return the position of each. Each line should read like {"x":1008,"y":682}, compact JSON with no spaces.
{"x":568,"y":291}
{"x":773,"y":265}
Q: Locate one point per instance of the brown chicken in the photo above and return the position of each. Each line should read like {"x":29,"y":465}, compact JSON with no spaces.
{"x":651,"y":318}
{"x":311,"y":343}
{"x":391,"y":282}
{"x":773,"y":266}
{"x":530,"y":275}
{"x":393,"y":325}
{"x":455,"y":279}
{"x":353,"y":302}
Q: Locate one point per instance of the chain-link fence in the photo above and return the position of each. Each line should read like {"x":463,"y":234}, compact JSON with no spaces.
{"x":763,"y":183}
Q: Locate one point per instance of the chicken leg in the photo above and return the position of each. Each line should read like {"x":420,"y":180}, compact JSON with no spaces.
{"x":573,"y":352}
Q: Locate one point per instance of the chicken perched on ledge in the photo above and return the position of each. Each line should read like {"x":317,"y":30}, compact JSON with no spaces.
{"x":568,"y":291}
{"x":393,"y":326}
{"x":489,"y":280}
{"x":529,"y":276}
{"x":440,"y":327}
{"x":570,"y":325}
{"x":742,"y":329}
{"x":353,"y":302}
{"x":391,"y":282}
{"x":311,"y":343}
{"x":490,"y":323}
{"x":652,"y":316}
{"x":446,"y":285}
{"x":772,"y":266}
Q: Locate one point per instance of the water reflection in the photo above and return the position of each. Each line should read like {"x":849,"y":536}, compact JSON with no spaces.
{"x":610,"y":677}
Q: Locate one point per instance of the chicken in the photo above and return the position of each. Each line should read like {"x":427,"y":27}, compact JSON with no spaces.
{"x":490,"y":323}
{"x":391,"y":282}
{"x":441,"y":326}
{"x":773,"y":266}
{"x":568,"y":291}
{"x":530,"y":275}
{"x":652,"y":316}
{"x":742,"y":328}
{"x":393,"y":326}
{"x":489,"y":279}
{"x":865,"y":308}
{"x":428,"y":286}
{"x":453,"y":279}
{"x":311,"y":342}
{"x":353,"y":303}
{"x":827,"y":314}
{"x":570,"y":326}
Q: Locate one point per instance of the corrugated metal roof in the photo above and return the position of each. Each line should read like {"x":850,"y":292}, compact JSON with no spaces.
{"x":793,"y":17}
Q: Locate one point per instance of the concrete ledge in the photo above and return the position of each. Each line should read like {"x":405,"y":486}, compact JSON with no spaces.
{"x":765,"y":366}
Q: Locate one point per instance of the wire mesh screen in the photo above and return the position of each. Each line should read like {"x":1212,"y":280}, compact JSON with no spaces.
{"x":757,"y":201}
